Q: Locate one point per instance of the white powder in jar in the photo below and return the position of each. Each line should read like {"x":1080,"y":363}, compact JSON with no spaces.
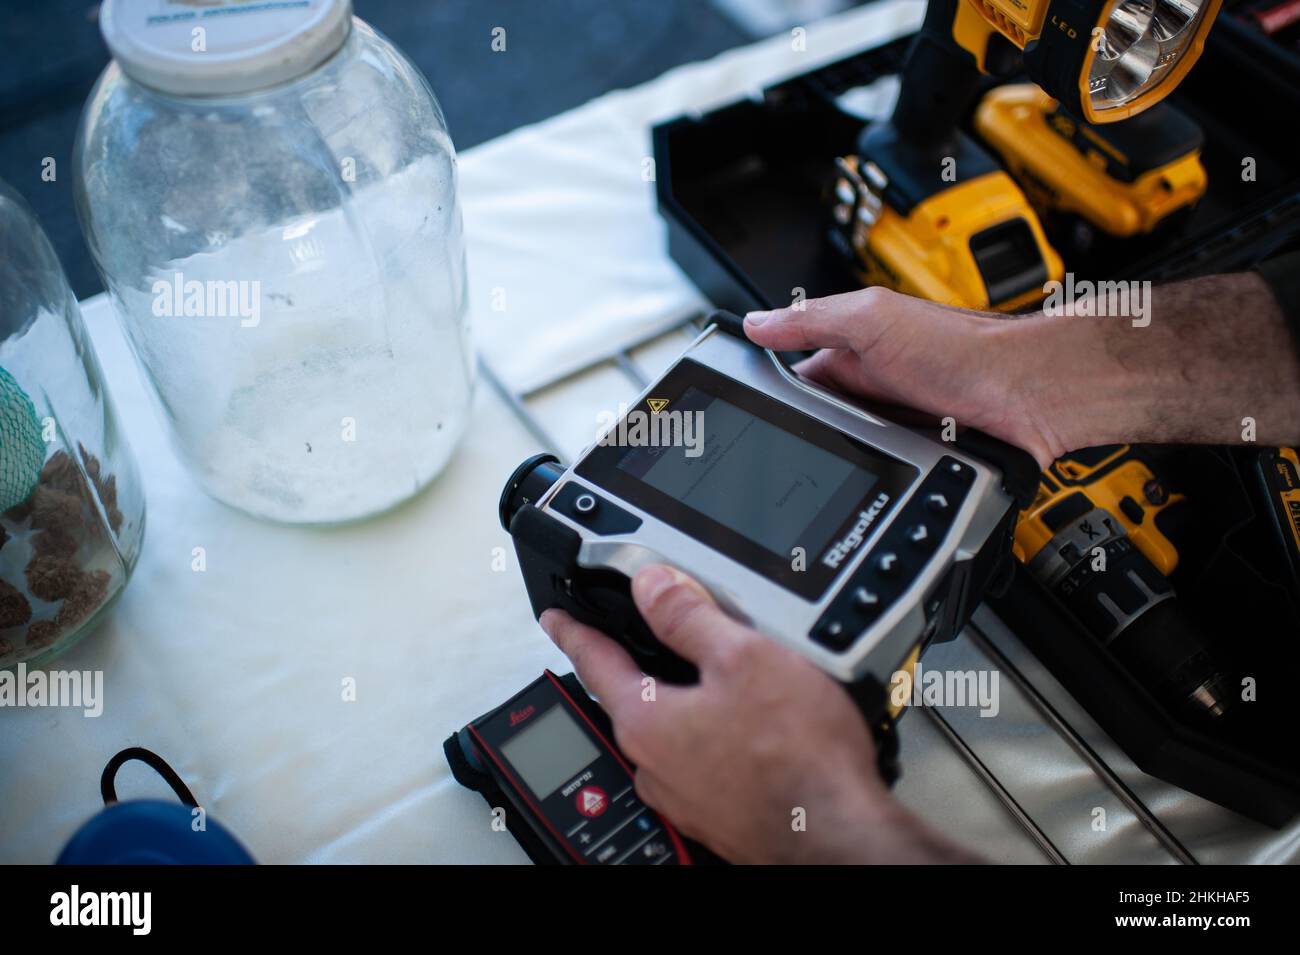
{"x":347,"y":386}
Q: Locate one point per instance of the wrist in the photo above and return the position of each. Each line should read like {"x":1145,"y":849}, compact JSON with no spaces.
{"x":1069,"y":382}
{"x":1030,"y":361}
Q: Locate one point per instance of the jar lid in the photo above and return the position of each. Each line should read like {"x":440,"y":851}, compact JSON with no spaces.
{"x":219,"y":47}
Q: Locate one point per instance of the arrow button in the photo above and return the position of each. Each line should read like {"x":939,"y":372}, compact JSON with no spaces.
{"x":919,"y":535}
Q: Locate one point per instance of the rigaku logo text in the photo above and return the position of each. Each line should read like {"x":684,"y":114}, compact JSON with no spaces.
{"x":74,"y":907}
{"x":856,"y":535}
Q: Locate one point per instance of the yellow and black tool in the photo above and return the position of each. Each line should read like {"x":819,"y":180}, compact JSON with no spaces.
{"x":1116,"y":480}
{"x":943,"y":247}
{"x":1092,"y":538}
{"x":927,"y":210}
{"x":1279,"y":477}
{"x":1123,"y":180}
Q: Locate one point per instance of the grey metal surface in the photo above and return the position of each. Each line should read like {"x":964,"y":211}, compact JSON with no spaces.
{"x":1066,"y":798}
{"x":1210,"y":833}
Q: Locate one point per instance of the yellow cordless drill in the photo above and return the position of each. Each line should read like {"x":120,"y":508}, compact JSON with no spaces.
{"x":1092,"y":537}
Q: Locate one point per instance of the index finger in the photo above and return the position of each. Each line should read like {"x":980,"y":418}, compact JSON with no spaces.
{"x":837,"y":321}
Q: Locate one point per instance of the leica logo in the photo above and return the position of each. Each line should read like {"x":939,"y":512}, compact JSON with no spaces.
{"x":856,"y":535}
{"x":518,"y":716}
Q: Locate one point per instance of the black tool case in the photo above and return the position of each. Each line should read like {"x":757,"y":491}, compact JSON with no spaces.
{"x":742,"y":190}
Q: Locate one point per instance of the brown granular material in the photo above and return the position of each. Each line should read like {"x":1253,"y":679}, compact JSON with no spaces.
{"x":15,"y":609}
{"x":90,"y":461}
{"x":62,"y":474}
{"x":56,"y":510}
{"x":105,"y":487}
{"x":108,"y":495}
{"x":20,"y":512}
{"x":54,"y":543}
{"x":42,"y":633}
{"x":84,"y":599}
{"x":63,"y":513}
{"x":52,"y":578}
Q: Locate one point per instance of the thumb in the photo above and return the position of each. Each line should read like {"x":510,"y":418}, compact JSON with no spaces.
{"x":682,"y":614}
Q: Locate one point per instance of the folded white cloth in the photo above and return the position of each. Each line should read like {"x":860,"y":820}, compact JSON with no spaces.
{"x":566,"y":247}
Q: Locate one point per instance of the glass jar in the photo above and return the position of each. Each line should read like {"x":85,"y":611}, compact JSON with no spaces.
{"x":71,"y":506}
{"x":276,"y":220}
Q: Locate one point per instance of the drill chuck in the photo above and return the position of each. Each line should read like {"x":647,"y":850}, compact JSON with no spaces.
{"x":1093,"y":567}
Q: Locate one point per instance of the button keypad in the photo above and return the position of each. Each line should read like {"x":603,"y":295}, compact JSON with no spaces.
{"x":898,"y":557}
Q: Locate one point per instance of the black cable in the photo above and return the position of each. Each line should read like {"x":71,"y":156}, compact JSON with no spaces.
{"x":107,"y":781}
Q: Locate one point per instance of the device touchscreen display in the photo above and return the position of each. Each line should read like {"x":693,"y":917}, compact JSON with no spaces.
{"x":750,"y":476}
{"x":761,"y":481}
{"x":550,"y":752}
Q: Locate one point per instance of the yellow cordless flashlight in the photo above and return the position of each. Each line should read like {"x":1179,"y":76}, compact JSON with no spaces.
{"x":1104,"y":60}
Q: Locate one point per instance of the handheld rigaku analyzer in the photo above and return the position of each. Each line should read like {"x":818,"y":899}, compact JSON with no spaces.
{"x":845,"y":536}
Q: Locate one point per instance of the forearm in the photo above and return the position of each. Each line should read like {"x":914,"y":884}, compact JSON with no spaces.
{"x":867,"y":825}
{"x":1216,"y":352}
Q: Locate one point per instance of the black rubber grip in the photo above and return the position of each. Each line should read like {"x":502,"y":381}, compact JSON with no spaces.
{"x":729,"y":322}
{"x":1020,"y":472}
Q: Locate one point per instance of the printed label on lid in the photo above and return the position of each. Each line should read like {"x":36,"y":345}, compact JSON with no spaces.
{"x":222,"y":46}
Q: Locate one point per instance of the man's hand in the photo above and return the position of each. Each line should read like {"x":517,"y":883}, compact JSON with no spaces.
{"x":910,"y":352}
{"x":766,"y":759}
{"x":1214,"y":353}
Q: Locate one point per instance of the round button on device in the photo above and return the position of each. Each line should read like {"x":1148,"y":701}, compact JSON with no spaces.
{"x":584,"y":503}
{"x":832,"y":634}
{"x":591,"y":801}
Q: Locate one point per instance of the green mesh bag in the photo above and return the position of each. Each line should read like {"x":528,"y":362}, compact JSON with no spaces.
{"x":22,"y":452}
